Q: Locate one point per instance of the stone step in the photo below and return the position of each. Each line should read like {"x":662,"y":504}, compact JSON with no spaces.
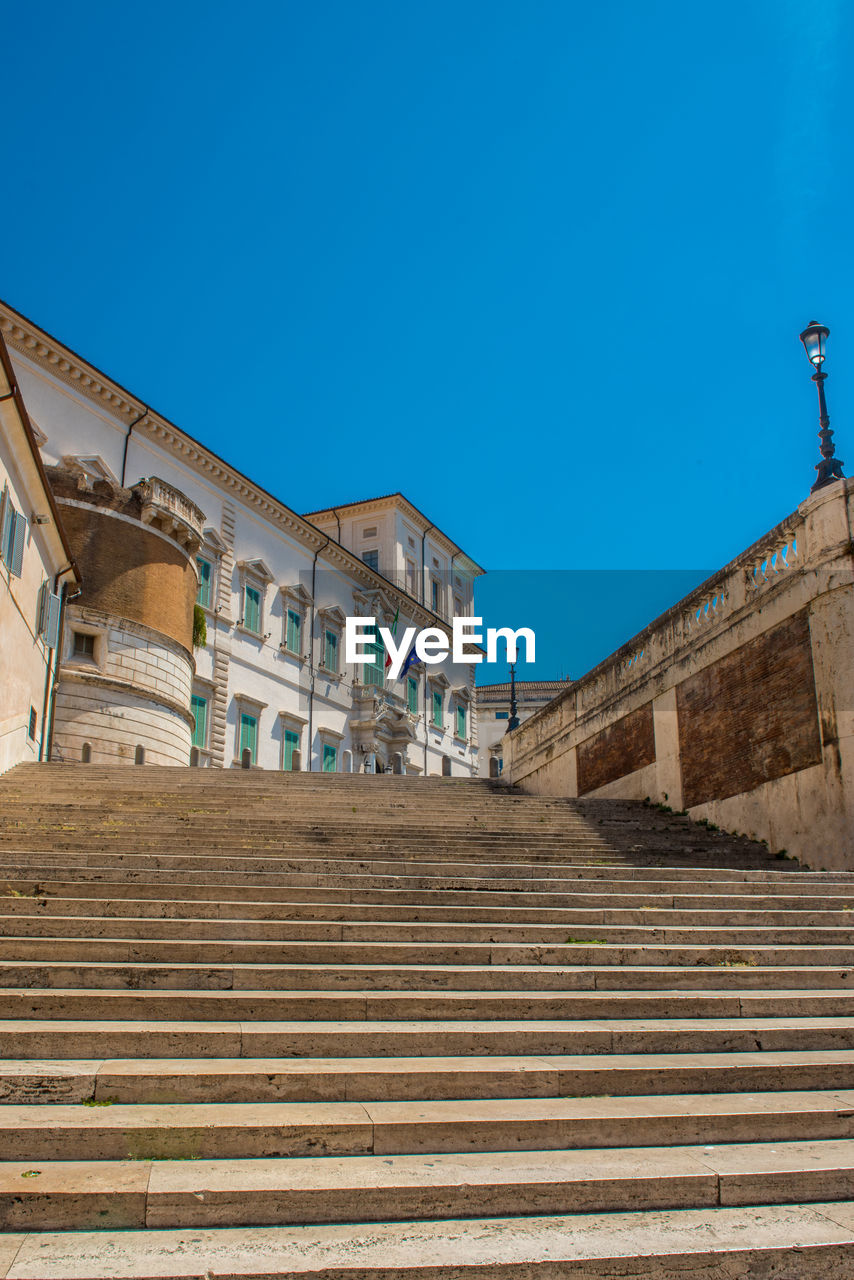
{"x":15,"y":891}
{"x":213,"y":1080}
{"x":153,"y":976}
{"x":646,"y":915}
{"x":205,"y":1193}
{"x":87,"y":867}
{"x":348,"y":930}
{"x":753,"y":1243}
{"x":234,"y":951}
{"x":415,"y":1006}
{"x":578,"y":880}
{"x":31,"y":1037}
{"x":236,"y":1130}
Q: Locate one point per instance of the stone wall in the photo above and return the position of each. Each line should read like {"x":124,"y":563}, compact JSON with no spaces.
{"x":134,"y":691}
{"x":737,"y":704}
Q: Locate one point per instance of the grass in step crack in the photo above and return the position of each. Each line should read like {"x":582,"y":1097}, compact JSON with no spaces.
{"x":588,"y":942}
{"x":98,"y":1102}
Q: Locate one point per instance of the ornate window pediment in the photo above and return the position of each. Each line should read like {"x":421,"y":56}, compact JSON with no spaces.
{"x":90,"y":468}
{"x":256,"y":569}
{"x":212,"y":542}
{"x":332,"y":616}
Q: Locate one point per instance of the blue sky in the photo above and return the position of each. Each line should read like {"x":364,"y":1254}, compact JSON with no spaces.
{"x":540,"y":265}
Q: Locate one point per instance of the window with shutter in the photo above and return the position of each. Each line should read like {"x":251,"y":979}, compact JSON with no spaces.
{"x":6,"y":513}
{"x":48,"y":621}
{"x":437,"y":709}
{"x":54,"y":611}
{"x":374,"y":671}
{"x":249,"y":735}
{"x":291,"y":745}
{"x":199,"y":707}
{"x":205,"y":582}
{"x":330,"y":758}
{"x":252,"y":610}
{"x":461,"y":721}
{"x":412,"y":694}
{"x":330,"y":651}
{"x":18,"y":533}
{"x":293,"y":640}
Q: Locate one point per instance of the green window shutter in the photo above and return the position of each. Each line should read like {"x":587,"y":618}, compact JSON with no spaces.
{"x":49,"y":607}
{"x":375,"y":669}
{"x":294,"y":631}
{"x":330,"y":656}
{"x":437,"y":708}
{"x":204,"y":596}
{"x":291,"y":745}
{"x":412,"y":694}
{"x":252,"y":609}
{"x":330,"y":758}
{"x":51,"y":631}
{"x":199,"y":708}
{"x":461,"y":722}
{"x":249,"y":735}
{"x":6,"y":526}
{"x":18,"y":534}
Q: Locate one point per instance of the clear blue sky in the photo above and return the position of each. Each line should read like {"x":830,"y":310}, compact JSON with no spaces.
{"x":540,"y":265}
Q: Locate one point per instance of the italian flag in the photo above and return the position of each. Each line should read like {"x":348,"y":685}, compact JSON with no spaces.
{"x":394,"y":633}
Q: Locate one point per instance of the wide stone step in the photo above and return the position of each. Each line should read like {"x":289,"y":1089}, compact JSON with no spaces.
{"x":16,"y":891}
{"x":234,"y":951}
{"x":725,"y":975}
{"x":421,"y":931}
{"x":100,"y":1038}
{"x":647,"y":914}
{"x":416,"y":1006}
{"x":210,"y":1080}
{"x":336,"y":1189}
{"x":753,"y":1242}
{"x":27,"y":867}
{"x":192,"y":1131}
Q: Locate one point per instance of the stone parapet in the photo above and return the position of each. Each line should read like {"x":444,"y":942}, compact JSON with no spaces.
{"x":734,"y":703}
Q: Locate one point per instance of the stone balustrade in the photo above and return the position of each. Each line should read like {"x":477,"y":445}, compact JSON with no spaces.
{"x":166,"y":508}
{"x":737,"y":703}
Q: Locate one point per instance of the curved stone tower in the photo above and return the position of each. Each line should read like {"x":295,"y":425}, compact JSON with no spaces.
{"x":127,"y":647}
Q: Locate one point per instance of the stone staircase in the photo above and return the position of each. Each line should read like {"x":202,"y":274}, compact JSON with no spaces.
{"x":385,"y":1028}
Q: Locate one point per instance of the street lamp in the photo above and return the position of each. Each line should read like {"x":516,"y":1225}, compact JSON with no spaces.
{"x":814,"y":338}
{"x":513,"y":722}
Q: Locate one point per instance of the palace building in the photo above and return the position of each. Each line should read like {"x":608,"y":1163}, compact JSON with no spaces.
{"x":207,"y":622}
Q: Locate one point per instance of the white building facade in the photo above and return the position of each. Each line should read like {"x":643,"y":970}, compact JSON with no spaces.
{"x":270,"y":686}
{"x":492,"y":702}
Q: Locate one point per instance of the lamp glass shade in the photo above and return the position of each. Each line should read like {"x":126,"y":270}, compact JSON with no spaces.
{"x":814,"y":338}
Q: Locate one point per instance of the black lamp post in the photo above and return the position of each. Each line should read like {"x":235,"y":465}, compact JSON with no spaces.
{"x":513,"y":722}
{"x":814,"y":338}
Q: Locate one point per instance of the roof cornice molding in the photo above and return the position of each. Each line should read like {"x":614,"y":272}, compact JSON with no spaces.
{"x":63,"y":363}
{"x":397,"y":502}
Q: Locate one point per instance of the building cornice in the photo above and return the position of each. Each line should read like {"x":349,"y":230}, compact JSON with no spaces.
{"x":64,"y":364}
{"x":400,"y":503}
